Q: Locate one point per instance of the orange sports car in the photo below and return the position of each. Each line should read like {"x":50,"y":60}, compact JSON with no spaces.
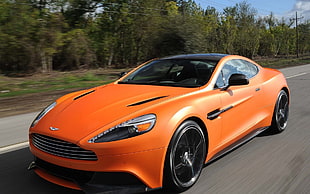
{"x":157,"y":125}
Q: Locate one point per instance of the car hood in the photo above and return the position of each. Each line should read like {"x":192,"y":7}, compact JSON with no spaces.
{"x":87,"y":111}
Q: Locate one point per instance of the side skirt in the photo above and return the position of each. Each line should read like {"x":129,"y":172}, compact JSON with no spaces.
{"x":238,"y":143}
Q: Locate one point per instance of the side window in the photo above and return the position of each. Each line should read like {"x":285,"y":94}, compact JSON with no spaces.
{"x":228,"y":69}
{"x":220,"y":83}
{"x":252,"y":69}
{"x":245,"y":67}
{"x":235,"y":66}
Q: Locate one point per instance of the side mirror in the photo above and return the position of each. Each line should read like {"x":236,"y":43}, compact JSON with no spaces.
{"x":238,"y":80}
{"x":122,"y":74}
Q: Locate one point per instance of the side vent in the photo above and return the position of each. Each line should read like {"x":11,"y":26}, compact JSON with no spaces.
{"x":82,"y":95}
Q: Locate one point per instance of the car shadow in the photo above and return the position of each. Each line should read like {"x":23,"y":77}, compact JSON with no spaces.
{"x":267,"y":132}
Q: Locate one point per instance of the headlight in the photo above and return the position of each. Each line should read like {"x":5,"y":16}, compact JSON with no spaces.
{"x":43,"y":113}
{"x":130,"y":128}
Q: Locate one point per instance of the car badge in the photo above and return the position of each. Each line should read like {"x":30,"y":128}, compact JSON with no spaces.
{"x":54,"y":129}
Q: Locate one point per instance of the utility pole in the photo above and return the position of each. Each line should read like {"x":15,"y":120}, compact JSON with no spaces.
{"x":297,"y":38}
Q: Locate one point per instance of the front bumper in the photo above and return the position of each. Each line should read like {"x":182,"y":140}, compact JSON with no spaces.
{"x":89,"y":182}
{"x":145,"y":168}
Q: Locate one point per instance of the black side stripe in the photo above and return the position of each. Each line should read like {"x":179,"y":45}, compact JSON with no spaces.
{"x":214,"y":114}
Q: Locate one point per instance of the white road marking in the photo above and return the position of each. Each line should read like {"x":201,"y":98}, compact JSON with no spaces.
{"x":297,"y":75}
{"x":13,"y":147}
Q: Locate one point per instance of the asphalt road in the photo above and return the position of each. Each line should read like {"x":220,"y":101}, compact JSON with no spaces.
{"x":14,"y":129}
{"x":266,"y":164}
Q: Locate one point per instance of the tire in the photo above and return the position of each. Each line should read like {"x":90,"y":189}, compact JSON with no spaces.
{"x":185,"y":157}
{"x":280,"y":114}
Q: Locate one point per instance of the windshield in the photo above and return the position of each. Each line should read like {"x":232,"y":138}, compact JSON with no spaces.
{"x":173,"y":72}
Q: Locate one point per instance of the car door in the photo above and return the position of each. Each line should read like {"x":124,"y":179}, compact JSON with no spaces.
{"x":238,"y":107}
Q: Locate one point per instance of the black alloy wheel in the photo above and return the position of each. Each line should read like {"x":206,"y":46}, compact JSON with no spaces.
{"x":281,"y":112}
{"x":185,"y":157}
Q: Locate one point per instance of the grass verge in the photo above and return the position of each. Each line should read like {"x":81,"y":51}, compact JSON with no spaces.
{"x":278,"y":63}
{"x":10,"y":86}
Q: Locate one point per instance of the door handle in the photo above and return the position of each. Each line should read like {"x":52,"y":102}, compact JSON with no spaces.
{"x":257,"y":89}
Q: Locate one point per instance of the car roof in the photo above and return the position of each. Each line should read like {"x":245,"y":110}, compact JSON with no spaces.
{"x":208,"y":56}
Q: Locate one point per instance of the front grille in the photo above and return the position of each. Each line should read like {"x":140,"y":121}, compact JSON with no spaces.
{"x":61,"y":148}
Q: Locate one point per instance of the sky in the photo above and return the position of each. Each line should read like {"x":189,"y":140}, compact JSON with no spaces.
{"x":280,"y":8}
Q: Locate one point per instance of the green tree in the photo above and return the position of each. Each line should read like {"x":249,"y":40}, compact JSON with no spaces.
{"x":76,"y":51}
{"x":49,"y":39}
{"x":210,"y":30}
{"x":70,"y":34}
{"x":304,"y":37}
{"x":17,"y":27}
{"x":229,"y":29}
{"x":77,"y":12}
{"x":247,"y":40}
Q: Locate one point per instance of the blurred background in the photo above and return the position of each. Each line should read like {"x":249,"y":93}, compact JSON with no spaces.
{"x":46,"y":35}
{"x":53,"y":47}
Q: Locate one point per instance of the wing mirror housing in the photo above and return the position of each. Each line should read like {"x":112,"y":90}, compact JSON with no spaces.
{"x":237,"y":80}
{"x":122,"y":74}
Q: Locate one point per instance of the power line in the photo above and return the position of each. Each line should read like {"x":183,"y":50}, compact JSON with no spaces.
{"x":297,"y":41}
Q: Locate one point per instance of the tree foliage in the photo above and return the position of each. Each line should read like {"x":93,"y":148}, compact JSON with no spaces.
{"x":42,"y":35}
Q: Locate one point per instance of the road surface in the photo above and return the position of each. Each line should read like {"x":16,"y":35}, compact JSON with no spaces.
{"x":267,"y":164}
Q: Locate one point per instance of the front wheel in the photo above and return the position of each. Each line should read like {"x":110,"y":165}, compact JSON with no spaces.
{"x":185,"y":157}
{"x":281,"y":111}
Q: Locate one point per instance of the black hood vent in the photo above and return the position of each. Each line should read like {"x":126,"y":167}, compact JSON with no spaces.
{"x":82,"y":95}
{"x":148,"y":100}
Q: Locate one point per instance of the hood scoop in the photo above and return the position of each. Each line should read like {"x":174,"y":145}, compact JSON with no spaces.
{"x":82,"y":95}
{"x":146,"y":101}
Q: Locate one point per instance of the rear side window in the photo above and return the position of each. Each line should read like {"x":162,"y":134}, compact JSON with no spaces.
{"x":239,"y":66}
{"x":250,"y":69}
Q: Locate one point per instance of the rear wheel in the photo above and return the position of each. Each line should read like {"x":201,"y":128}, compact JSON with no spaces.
{"x":185,"y":157}
{"x":280,"y":115}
